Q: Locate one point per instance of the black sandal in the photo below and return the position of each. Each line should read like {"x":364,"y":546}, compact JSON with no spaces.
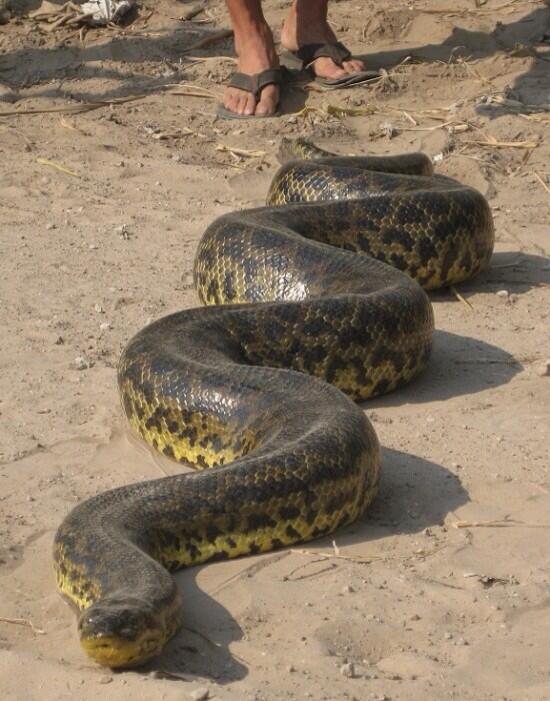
{"x":254,"y":84}
{"x":309,"y":53}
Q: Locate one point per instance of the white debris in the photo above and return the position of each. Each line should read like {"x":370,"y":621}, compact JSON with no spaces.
{"x":106,"y":11}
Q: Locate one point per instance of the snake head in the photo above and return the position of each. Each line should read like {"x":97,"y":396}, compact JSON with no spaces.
{"x":122,"y":631}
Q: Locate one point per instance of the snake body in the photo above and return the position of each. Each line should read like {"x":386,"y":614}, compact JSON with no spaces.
{"x":259,"y":385}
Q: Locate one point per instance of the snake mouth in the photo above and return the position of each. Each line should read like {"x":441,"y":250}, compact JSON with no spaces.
{"x":116,"y":652}
{"x":117,"y":634}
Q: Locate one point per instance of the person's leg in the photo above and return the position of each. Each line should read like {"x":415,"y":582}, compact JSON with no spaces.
{"x":256,"y":52}
{"x":307,"y":24}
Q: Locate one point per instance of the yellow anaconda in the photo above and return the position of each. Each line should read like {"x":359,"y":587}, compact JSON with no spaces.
{"x":297,"y":292}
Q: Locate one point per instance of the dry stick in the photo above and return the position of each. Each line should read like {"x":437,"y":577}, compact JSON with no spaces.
{"x":74,"y":109}
{"x":23,"y":622}
{"x":328,"y":556}
{"x":460,"y":297}
{"x":497,"y":524}
{"x":190,"y":12}
{"x":504,"y":144}
{"x":190,"y":90}
{"x":330,"y":568}
{"x":253,"y":568}
{"x":541,"y":181}
{"x":224,"y":34}
{"x":57,"y":166}
{"x":241,"y":151}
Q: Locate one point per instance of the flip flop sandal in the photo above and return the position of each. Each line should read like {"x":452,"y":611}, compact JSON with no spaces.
{"x":307,"y":54}
{"x":254,"y":84}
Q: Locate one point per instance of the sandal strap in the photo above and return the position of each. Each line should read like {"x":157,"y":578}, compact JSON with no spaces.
{"x":311,"y":52}
{"x":256,"y":82}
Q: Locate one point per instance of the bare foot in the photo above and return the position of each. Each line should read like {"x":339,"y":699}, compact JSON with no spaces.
{"x":256,"y":51}
{"x":307,"y":24}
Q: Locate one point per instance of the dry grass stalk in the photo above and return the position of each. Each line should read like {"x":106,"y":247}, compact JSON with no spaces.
{"x":491,"y":142}
{"x":191,"y":90}
{"x":461,"y":298}
{"x":73,"y":109}
{"x":23,"y":622}
{"x":330,"y":556}
{"x":240,"y":152}
{"x":541,"y":181}
{"x":503,"y":523}
{"x":57,"y":166}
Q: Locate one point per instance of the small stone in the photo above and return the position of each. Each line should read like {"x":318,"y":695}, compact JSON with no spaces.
{"x":292,"y":120}
{"x":51,"y":226}
{"x":59,"y":341}
{"x":448,"y":636}
{"x":291,"y":668}
{"x":105,"y":326}
{"x":503,"y":294}
{"x":199,"y":694}
{"x":105,"y":679}
{"x":348,"y":670}
{"x":543,"y":369}
{"x":99,"y":309}
{"x":80,"y":363}
{"x":348,"y":589}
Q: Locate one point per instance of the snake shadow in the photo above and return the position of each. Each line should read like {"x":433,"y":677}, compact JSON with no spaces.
{"x":201,"y":649}
{"x":414,"y":494}
{"x":459,"y":365}
{"x":515,"y":271}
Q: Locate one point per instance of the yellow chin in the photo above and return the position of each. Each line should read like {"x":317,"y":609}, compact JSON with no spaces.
{"x":114,"y":652}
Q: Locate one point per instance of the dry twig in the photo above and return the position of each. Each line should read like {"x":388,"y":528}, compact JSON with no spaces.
{"x":23,"y":622}
{"x":460,"y":297}
{"x":57,"y":166}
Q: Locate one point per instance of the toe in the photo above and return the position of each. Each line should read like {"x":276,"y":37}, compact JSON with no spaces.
{"x":248,"y":104}
{"x":232,"y":100}
{"x":269,"y":100}
{"x":354,"y":66}
{"x":326,"y":68}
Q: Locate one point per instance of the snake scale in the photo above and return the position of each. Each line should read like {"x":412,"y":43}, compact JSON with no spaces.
{"x":305,"y":318}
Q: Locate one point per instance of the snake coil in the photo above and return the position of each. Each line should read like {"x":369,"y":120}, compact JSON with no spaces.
{"x":307,"y":316}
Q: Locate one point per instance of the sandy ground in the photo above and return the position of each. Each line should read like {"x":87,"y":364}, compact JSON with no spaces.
{"x":443,"y":590}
